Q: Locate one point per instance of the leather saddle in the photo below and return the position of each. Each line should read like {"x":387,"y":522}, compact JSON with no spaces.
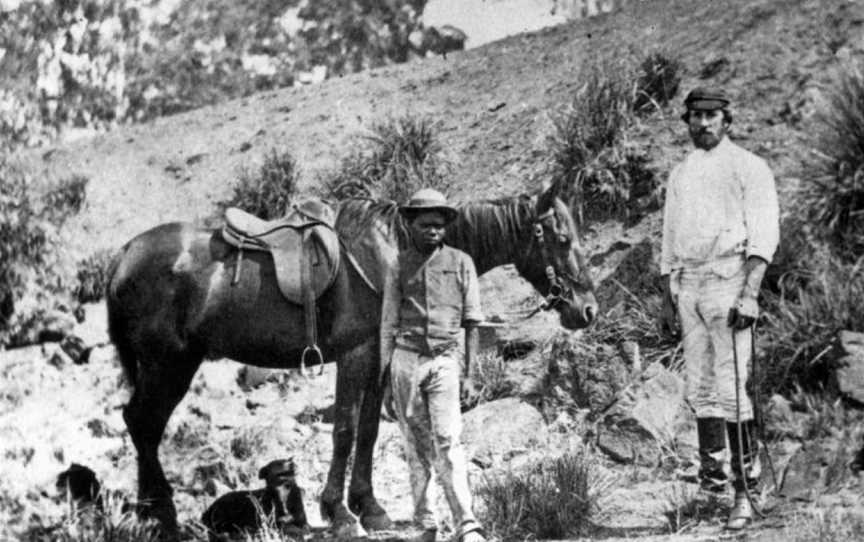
{"x":304,"y":245}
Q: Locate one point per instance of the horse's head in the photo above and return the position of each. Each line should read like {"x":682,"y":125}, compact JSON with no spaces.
{"x":555,"y":264}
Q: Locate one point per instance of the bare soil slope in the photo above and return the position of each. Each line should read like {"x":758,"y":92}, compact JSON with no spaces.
{"x":492,"y":103}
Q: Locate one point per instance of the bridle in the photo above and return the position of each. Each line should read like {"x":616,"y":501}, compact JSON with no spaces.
{"x":558,"y":290}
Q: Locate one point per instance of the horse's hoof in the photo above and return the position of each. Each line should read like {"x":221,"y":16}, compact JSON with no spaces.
{"x":376,"y":522}
{"x":349,"y":531}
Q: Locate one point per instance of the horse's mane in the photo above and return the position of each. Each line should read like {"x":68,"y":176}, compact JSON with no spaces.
{"x":355,"y":215}
{"x":484,"y":227}
{"x":481,"y":229}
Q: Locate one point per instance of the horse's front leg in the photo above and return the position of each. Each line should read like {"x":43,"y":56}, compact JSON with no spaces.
{"x":349,"y":393}
{"x":361,"y":497}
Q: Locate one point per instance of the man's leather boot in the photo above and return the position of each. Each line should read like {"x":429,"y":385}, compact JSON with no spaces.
{"x":712,"y":447}
{"x":745,"y":473}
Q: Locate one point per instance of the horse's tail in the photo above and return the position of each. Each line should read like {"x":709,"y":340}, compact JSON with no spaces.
{"x":118,"y":321}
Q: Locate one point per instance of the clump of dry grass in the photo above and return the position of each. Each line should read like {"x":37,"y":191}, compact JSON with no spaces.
{"x":833,"y":196}
{"x":658,"y":81}
{"x":686,"y":508}
{"x":588,"y":149}
{"x":92,"y":276}
{"x":395,"y":159}
{"x":824,"y":525}
{"x":802,"y":321}
{"x":267,"y":192}
{"x":553,"y":498}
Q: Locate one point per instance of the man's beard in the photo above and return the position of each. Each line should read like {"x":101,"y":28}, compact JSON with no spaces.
{"x":706,"y":140}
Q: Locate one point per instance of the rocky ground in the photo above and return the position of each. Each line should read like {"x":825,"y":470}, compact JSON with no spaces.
{"x":493,"y":107}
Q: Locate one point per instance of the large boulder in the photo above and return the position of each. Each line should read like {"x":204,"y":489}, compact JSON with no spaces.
{"x":497,"y":430}
{"x":648,"y":416}
{"x":850,"y":367}
{"x":581,"y":376}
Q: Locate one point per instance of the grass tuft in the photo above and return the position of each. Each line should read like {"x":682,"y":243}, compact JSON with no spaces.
{"x":658,"y":83}
{"x":268,"y":192}
{"x":802,"y":321}
{"x":833,"y":198}
{"x":588,"y":148}
{"x":553,"y":498}
{"x":92,"y":276}
{"x":825,"y":525}
{"x":398,"y":157}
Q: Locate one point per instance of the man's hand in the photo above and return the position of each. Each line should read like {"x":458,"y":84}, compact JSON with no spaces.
{"x":743,"y":314}
{"x":668,"y":318}
{"x":469,"y":395}
{"x":746,"y":309}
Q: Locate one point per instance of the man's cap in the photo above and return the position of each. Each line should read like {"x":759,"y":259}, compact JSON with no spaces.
{"x":277,"y":467}
{"x":706,"y":99}
{"x":429,"y":199}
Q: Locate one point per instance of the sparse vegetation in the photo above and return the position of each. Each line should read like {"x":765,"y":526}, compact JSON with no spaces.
{"x":92,"y":276}
{"x":115,"y":522}
{"x":686,"y":508}
{"x":29,"y":259}
{"x":588,"y":147}
{"x":833,"y":195}
{"x":553,"y":498}
{"x":803,"y":319}
{"x":820,"y":525}
{"x":266,"y":193}
{"x":658,"y":83}
{"x":398,"y":157}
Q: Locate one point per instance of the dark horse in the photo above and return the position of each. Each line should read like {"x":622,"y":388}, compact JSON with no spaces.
{"x":171,"y":304}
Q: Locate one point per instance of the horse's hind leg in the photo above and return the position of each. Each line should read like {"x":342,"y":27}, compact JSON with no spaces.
{"x":158,"y":387}
{"x":361,"y":498}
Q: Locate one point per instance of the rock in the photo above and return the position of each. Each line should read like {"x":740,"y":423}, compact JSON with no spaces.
{"x":581,"y":376}
{"x":501,"y":427}
{"x":74,"y":347}
{"x":250,"y":377}
{"x":648,"y":416}
{"x":850,"y":367}
{"x":781,"y":421}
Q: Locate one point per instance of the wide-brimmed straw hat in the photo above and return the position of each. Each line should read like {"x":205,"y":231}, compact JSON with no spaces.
{"x":428,"y":199}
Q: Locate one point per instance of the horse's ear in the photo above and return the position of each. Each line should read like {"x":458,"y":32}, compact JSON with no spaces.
{"x":547,"y":196}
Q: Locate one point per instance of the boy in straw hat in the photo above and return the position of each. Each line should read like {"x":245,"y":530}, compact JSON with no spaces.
{"x":429,"y":296}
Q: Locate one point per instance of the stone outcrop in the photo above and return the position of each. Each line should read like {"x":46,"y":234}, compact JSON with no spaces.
{"x":498,"y":429}
{"x":850,"y":367}
{"x":648,"y":417}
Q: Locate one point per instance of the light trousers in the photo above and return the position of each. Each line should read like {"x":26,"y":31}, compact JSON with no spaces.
{"x":426,"y":399}
{"x":704,"y":299}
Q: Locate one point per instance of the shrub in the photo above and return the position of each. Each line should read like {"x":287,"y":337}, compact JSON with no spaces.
{"x":588,"y":149}
{"x":398,"y":157}
{"x":92,"y":276}
{"x":803,"y":319}
{"x":267,"y":193}
{"x":30,"y":261}
{"x":833,"y":199}
{"x":554,"y":498}
{"x":115,"y":523}
{"x":658,"y":83}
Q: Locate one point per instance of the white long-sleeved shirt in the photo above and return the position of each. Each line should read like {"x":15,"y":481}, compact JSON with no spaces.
{"x":719,"y":203}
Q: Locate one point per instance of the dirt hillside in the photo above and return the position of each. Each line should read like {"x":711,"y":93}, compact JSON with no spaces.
{"x":493,"y":106}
